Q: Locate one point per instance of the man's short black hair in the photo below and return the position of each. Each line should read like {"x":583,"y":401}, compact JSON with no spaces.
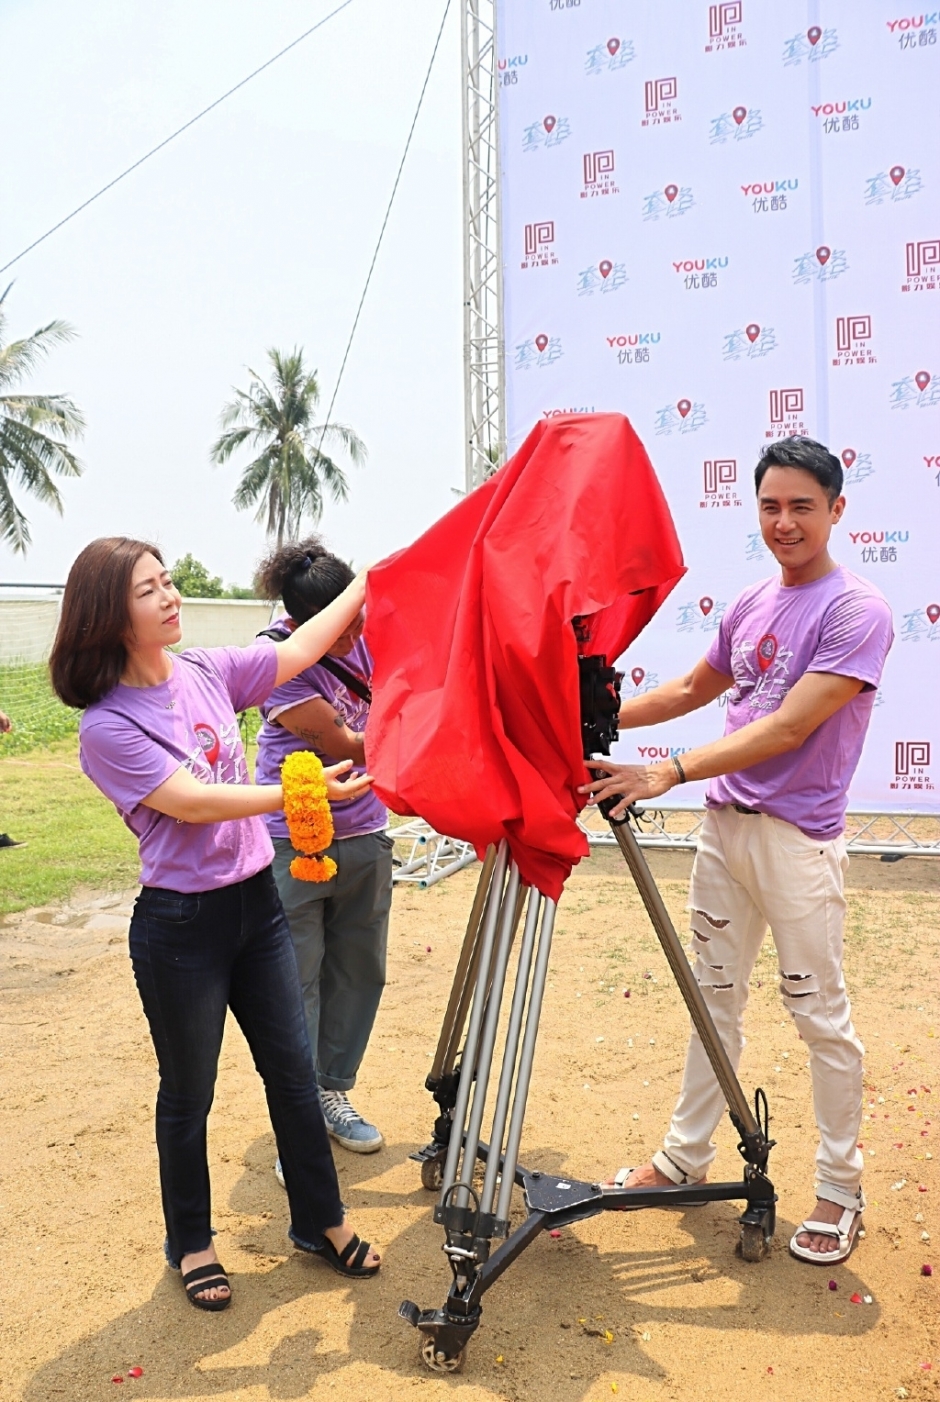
{"x":806,"y":454}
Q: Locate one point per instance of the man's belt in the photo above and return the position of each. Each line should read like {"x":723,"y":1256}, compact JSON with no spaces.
{"x":752,"y":812}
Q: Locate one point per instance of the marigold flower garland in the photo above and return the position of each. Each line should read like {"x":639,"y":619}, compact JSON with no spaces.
{"x":309,"y":820}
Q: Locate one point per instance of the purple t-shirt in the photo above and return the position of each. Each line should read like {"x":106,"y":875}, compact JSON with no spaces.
{"x":768,"y":638}
{"x":134,"y":738}
{"x":275,"y":742}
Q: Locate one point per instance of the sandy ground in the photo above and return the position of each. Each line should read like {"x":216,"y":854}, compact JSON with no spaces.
{"x":652,"y":1305}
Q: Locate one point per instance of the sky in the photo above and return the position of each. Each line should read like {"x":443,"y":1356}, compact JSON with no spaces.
{"x":253,"y":229}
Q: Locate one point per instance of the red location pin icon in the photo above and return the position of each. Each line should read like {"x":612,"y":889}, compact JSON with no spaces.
{"x":612,"y":46}
{"x":897,"y":174}
{"x":638,"y":674}
{"x":766,"y":651}
{"x":752,"y":332}
{"x":848,"y":456}
{"x":814,"y":35}
{"x":605,"y":266}
{"x":922,"y":380}
{"x":823,"y":254}
{"x":670,"y":192}
{"x":739,"y":114}
{"x":684,"y":406}
{"x":706,"y":605}
{"x":541,"y":342}
{"x":549,"y":124}
{"x":933,"y":612}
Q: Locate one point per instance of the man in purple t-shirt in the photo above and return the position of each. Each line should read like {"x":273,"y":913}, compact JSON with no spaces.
{"x":800,"y":657}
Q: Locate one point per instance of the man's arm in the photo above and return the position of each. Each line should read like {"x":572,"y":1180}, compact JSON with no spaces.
{"x":814,"y":698}
{"x":674,"y":698}
{"x":321,"y":725}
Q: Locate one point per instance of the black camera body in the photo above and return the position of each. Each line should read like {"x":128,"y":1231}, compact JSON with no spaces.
{"x":599,"y":687}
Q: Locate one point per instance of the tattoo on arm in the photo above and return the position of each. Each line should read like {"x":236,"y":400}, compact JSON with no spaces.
{"x":339,"y":722}
{"x":313,"y":737}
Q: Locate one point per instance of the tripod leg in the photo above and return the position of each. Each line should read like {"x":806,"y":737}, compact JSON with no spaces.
{"x":455,"y":1018}
{"x":741,"y":1112}
{"x":488,"y":934}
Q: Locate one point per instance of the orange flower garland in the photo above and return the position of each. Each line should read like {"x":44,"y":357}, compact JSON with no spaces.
{"x":309,"y":820}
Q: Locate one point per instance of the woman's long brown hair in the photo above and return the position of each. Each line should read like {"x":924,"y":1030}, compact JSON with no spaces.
{"x":89,"y":655}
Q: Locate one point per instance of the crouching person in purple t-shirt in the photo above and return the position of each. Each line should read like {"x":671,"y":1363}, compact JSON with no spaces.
{"x":339,"y":927}
{"x":800,"y":656}
{"x":160,"y":738}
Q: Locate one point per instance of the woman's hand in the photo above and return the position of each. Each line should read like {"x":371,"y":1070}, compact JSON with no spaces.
{"x":339,"y":792}
{"x":628,"y":782}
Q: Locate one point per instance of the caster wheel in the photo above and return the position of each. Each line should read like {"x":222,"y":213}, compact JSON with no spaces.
{"x":432,"y":1175}
{"x":754,"y":1245}
{"x":438,"y":1361}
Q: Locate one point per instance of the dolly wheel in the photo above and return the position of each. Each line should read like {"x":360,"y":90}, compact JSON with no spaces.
{"x":432,"y":1175}
{"x":435,"y":1358}
{"x":754,"y":1244}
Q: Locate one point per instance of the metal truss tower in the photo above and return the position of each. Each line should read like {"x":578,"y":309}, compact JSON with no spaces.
{"x":484,"y":381}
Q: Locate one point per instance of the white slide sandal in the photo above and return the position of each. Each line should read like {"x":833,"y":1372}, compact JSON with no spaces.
{"x":841,"y":1230}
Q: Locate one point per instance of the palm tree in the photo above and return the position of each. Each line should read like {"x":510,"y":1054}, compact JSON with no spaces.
{"x":287,"y":477}
{"x":32,"y":430}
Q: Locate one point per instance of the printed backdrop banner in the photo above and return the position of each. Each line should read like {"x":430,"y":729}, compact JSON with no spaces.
{"x":723,"y":220}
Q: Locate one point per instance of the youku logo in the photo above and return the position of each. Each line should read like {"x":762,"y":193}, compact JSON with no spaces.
{"x":857,"y":467}
{"x":786,"y":414}
{"x":599,"y":174}
{"x":538,"y":244}
{"x":634,"y":348}
{"x":510,"y":68}
{"x":922,"y":625}
{"x":922,"y":264}
{"x":750,"y":343}
{"x":550,"y":131}
{"x":699,"y":272}
{"x":609,"y":57}
{"x":920,"y":391}
{"x":671,"y":202}
{"x":812,"y":44}
{"x":912,"y":765}
{"x":879,"y":547}
{"x":558,"y":413}
{"x":682,"y":417}
{"x":605,"y":276}
{"x":839,"y":109}
{"x":724,"y":27}
{"x":703,"y":615}
{"x":659,"y":99}
{"x":916,"y":31}
{"x":895,"y":185}
{"x":721,"y":475}
{"x":853,"y":341}
{"x":740,"y":124}
{"x":823,"y":265}
{"x":538,"y":352}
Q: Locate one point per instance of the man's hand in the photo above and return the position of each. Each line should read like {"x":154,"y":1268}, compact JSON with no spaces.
{"x":628,"y":782}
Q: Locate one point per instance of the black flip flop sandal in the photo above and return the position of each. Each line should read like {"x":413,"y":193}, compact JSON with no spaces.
{"x":349,"y":1260}
{"x":207,"y":1278}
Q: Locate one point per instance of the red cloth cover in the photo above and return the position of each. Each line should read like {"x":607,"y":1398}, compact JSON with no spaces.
{"x":475,"y":725}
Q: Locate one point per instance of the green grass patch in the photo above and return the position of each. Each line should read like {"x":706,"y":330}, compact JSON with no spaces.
{"x":38,"y":716}
{"x":74,"y":836}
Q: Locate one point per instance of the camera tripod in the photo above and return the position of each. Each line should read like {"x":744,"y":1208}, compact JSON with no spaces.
{"x":477,"y":1219}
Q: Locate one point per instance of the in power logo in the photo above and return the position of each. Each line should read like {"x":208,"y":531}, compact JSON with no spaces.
{"x":911,"y":755}
{"x":659,"y":91}
{"x":922,"y":255}
{"x":539,"y":236}
{"x":596,"y":165}
{"x":720,"y":472}
{"x":850,"y":330}
{"x":784,"y":402}
{"x":722,"y":17}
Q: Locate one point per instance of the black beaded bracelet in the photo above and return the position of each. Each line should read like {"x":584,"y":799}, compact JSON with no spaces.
{"x":679,"y":770}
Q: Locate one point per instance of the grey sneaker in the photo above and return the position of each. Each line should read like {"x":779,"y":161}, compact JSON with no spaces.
{"x":279,"y":1173}
{"x":346,"y":1125}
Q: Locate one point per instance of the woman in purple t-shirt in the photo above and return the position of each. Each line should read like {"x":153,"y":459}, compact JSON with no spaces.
{"x":160,"y":738}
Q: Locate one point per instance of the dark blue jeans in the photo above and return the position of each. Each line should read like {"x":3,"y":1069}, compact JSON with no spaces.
{"x":194,"y":956}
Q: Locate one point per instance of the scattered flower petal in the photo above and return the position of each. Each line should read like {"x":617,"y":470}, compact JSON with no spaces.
{"x":499,"y":1358}
{"x":926,"y":1270}
{"x":117,"y":1378}
{"x":554,"y":1234}
{"x":867,"y":1299}
{"x":855,"y":1299}
{"x":833,"y":1285}
{"x":427,"y":949}
{"x":135,"y":1372}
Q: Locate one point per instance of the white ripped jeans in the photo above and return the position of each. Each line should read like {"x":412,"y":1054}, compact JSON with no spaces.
{"x":752,"y":871}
